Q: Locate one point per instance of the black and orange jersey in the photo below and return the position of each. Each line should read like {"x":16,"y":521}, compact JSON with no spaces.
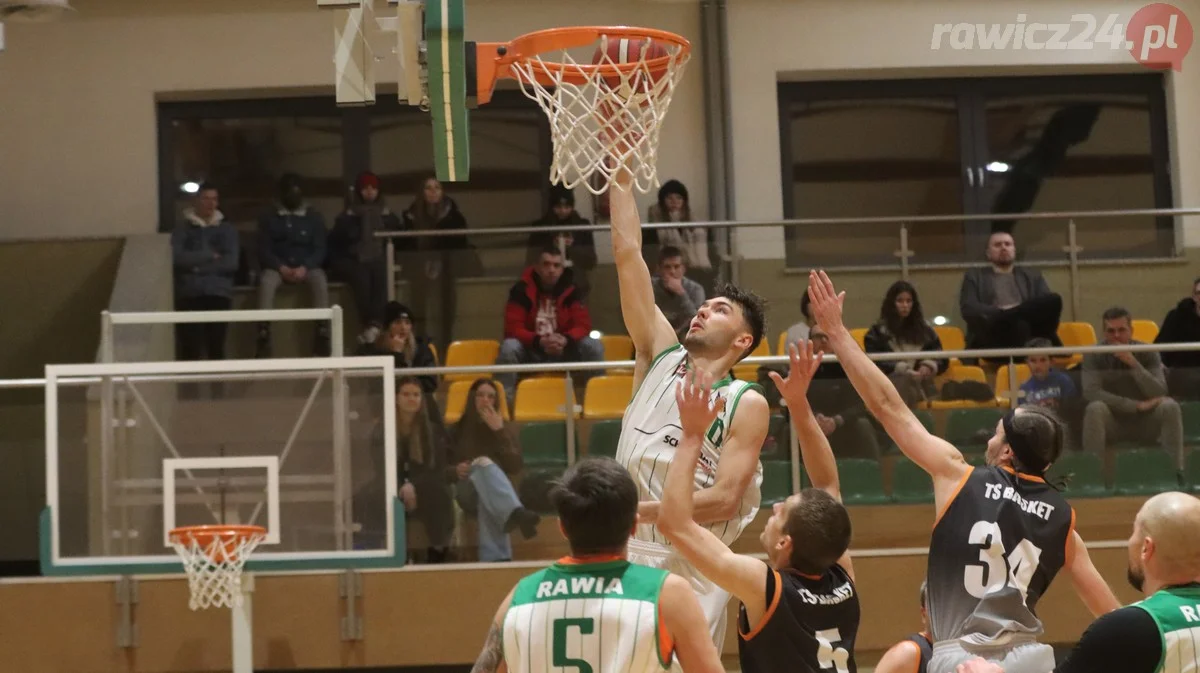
{"x":996,"y":547}
{"x":810,"y":625}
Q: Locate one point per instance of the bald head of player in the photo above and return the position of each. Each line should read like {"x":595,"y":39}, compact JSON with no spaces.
{"x":807,"y":533}
{"x":597,"y":505}
{"x":1164,"y":549}
{"x":728,"y":326}
{"x":1027,"y":439}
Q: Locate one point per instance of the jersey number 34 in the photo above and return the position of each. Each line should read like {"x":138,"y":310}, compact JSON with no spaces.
{"x":999,"y":567}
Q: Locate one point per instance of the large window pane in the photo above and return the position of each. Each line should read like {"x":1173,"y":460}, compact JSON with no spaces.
{"x":868,"y":158}
{"x":1072,"y":152}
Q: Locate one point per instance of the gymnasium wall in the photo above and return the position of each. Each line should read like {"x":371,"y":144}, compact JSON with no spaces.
{"x":89,"y":132}
{"x":774,"y":40}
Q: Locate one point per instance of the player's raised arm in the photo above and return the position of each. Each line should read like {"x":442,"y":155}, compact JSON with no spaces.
{"x":1089,"y":585}
{"x":742,"y":576}
{"x":684,"y":621}
{"x":646,"y":325}
{"x":815,"y":451}
{"x":935,"y":455}
{"x":491,"y":658}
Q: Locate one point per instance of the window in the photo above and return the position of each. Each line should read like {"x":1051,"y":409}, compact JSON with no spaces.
{"x":910,"y":148}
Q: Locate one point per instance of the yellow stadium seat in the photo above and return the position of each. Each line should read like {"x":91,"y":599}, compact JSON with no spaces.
{"x":1074,"y":334}
{"x":750,"y":372}
{"x":1004,"y":395}
{"x":607,"y":396}
{"x":952,"y":339}
{"x":541,"y":399}
{"x":860,"y":336}
{"x":1145,"y":331}
{"x":456,"y":400}
{"x":617,"y":347}
{"x":471,"y":353}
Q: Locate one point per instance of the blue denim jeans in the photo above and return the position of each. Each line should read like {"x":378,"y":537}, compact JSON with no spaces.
{"x":497,"y":501}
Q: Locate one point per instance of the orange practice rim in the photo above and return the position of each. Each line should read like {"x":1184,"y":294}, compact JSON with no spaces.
{"x":501,"y":56}
{"x":205,"y":535}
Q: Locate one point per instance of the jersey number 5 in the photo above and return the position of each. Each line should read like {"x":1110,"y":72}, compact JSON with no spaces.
{"x":829,"y":656}
{"x":1001,"y":566}
{"x":586,"y":626}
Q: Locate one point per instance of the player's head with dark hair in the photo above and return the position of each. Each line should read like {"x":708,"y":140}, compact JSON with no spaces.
{"x":808,"y":532}
{"x":1028,"y":439}
{"x":597,"y":505}
{"x":732,"y":319}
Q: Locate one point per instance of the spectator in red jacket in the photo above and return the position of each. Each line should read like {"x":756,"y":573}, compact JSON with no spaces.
{"x":546,"y":320}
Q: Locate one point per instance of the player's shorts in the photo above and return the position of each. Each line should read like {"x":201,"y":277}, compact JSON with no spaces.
{"x":713,"y":599}
{"x":1022,"y":656}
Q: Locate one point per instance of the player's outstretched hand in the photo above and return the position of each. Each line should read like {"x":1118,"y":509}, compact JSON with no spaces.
{"x":826,"y":303}
{"x":802,"y":366}
{"x":696,"y":411}
{"x":978,"y":665}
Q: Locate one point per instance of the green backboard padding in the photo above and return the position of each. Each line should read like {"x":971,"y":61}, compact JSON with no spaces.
{"x":444,"y":28}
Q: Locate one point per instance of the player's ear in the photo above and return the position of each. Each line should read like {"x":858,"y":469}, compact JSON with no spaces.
{"x":561,"y":529}
{"x":637,"y":519}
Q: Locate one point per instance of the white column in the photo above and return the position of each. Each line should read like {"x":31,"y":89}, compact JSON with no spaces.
{"x":243,"y":644}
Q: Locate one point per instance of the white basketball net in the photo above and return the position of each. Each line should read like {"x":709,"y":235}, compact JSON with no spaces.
{"x":214,"y":570}
{"x":601,"y":125}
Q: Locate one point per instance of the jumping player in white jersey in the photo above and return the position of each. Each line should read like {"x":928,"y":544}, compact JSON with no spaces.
{"x":594,"y":610}
{"x":1001,"y":533}
{"x":726,"y":329}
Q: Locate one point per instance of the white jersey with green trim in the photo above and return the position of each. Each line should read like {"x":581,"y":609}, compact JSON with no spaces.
{"x":650,"y":431}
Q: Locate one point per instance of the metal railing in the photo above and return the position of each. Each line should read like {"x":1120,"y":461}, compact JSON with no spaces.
{"x":904,"y":253}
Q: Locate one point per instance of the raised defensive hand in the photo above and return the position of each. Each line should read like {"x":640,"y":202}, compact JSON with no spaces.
{"x":696,"y":411}
{"x":802,"y":366}
{"x":826,"y":303}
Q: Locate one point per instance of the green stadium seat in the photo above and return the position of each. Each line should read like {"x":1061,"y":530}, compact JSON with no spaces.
{"x":862,"y":482}
{"x":1191,"y":422}
{"x":1086,"y":472}
{"x":971,"y":428}
{"x":1144,"y":472}
{"x":602,"y":441}
{"x":544,"y":444}
{"x":1191,"y":473}
{"x":777,"y":482}
{"x":910,"y":484}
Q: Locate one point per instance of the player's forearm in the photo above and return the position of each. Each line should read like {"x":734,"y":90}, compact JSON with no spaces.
{"x":815,"y":451}
{"x":626,"y":226}
{"x":873,"y":386}
{"x":1092,"y":589}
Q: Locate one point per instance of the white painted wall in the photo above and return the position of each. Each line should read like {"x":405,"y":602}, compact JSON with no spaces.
{"x":77,"y":97}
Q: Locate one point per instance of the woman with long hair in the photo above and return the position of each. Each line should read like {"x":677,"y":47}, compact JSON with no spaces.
{"x":901,"y":328}
{"x":426,"y":469}
{"x":484,"y":440}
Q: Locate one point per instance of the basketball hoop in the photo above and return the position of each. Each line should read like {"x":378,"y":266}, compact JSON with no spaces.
{"x":605,"y":114}
{"x":213,"y":557}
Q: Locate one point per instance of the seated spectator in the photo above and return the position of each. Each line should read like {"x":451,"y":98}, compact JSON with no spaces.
{"x":484,"y":440}
{"x":839,"y":410}
{"x":677,"y":296}
{"x":901,"y":328}
{"x":1047,"y":386}
{"x":397,"y":339}
{"x":1126,"y":394}
{"x":578,"y":247}
{"x":698,"y":244}
{"x":356,"y":255}
{"x":799,"y":330}
{"x":205,"y":251}
{"x":426,"y":469}
{"x":433,"y":266}
{"x":1182,"y":325}
{"x":291,"y":249}
{"x":546,"y":320}
{"x":1005,"y":305}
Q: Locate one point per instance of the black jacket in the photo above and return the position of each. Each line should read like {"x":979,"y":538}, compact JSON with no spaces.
{"x":1182,"y":325}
